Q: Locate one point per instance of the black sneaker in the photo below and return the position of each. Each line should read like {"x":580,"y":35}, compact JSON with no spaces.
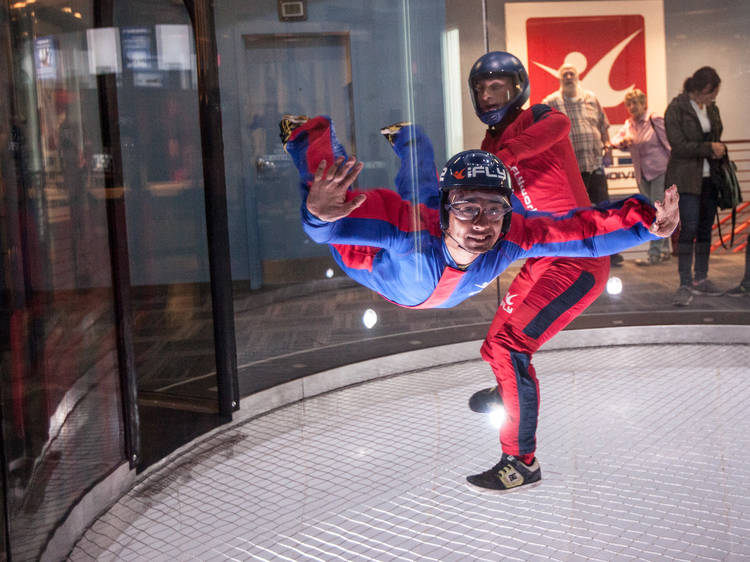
{"x":741,"y":290}
{"x":288,"y":123}
{"x":705,"y":287}
{"x":486,"y":400}
{"x":391,"y":131}
{"x":506,"y":476}
{"x":615,"y":260}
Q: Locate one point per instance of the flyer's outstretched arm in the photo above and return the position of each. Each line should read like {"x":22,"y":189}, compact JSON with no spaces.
{"x":667,"y":213}
{"x":327,"y":196}
{"x":417,"y":178}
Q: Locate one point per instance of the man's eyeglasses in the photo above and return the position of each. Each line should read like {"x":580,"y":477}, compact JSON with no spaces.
{"x":467,"y":211}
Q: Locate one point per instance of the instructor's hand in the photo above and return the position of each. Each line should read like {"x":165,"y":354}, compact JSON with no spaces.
{"x":327,"y":196}
{"x":667,"y":213}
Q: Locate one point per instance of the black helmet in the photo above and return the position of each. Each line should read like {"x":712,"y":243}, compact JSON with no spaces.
{"x":492,"y":65}
{"x":474,"y":169}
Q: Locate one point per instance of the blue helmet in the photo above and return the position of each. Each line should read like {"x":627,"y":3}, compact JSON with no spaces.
{"x":474,"y":169}
{"x":494,"y":64}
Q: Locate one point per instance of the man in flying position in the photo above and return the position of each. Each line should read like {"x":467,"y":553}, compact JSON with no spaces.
{"x":435,"y":247}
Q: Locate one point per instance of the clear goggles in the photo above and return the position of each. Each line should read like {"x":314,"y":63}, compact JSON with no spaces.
{"x":467,"y":210}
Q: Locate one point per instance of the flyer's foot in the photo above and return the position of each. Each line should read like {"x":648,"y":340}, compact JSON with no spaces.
{"x":391,"y":131}
{"x":506,"y":476}
{"x":288,"y":123}
{"x":486,"y":400}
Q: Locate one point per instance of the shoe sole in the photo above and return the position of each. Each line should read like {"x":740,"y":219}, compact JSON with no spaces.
{"x":395,"y":128}
{"x":493,"y":404}
{"x":493,"y":492}
{"x":296,"y":119}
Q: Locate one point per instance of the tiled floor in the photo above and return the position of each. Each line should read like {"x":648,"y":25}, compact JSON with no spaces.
{"x":644,"y":454}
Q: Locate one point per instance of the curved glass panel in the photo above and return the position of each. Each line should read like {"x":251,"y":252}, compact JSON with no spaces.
{"x":62,"y":413}
{"x":109,"y":339}
{"x":106,"y":291}
{"x":162,"y":169}
{"x":324,"y":64}
{"x":368,"y":68}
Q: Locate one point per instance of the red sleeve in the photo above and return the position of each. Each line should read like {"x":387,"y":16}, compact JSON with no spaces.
{"x":386,"y":205}
{"x":612,"y":223}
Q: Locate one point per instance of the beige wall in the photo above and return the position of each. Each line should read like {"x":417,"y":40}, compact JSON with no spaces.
{"x":466,"y":16}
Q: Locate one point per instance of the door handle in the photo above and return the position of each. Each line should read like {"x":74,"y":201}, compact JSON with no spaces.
{"x":262,"y":165}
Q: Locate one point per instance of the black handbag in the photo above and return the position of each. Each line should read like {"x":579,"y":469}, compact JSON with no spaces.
{"x":728,"y":194}
{"x":724,"y":178}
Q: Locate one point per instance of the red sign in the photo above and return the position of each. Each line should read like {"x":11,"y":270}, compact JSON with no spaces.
{"x":608,"y":51}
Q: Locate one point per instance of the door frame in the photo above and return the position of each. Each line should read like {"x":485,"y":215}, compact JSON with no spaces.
{"x":255,"y":266}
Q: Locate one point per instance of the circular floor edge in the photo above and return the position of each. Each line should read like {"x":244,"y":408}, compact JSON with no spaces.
{"x":354,"y":373}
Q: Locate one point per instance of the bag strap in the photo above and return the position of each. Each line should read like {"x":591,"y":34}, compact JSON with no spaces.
{"x":718,"y":228}
{"x":661,"y":142}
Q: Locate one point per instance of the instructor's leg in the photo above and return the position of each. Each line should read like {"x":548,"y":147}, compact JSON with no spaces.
{"x":555,"y":292}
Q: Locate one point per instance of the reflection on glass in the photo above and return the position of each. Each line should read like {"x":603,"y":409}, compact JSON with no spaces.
{"x":336,"y":69}
{"x":62,"y":416}
{"x":103,"y":118}
{"x":162,"y":165}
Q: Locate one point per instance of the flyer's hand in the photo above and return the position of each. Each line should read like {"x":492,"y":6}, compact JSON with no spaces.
{"x":327,"y":196}
{"x":667,"y":213}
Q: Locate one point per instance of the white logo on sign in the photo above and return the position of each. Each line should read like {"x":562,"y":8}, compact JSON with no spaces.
{"x":597,"y":79}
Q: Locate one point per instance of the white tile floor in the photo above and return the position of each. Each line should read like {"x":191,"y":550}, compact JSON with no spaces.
{"x":644,"y":453}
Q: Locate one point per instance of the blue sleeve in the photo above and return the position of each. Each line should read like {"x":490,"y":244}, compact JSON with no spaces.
{"x":384,"y":220}
{"x":416,"y":180}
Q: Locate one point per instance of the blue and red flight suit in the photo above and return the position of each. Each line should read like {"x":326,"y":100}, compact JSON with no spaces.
{"x":549,"y":292}
{"x":393,"y":244}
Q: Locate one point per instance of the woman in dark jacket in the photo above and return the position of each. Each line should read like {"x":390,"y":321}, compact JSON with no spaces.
{"x":694,"y":131}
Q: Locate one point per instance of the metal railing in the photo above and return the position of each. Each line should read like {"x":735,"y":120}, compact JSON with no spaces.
{"x":739,"y":153}
{"x":622,"y":183}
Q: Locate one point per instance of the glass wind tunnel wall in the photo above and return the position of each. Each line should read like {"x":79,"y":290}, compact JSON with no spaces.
{"x":106,"y":294}
{"x":110,"y":343}
{"x":367,"y":66}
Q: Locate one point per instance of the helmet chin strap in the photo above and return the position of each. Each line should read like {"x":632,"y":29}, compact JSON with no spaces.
{"x":459,"y":244}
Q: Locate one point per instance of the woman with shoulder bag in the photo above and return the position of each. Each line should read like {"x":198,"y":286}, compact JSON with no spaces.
{"x":644,"y":136}
{"x":693,"y":127}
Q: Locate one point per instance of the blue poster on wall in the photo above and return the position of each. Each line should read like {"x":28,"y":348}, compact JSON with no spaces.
{"x":46,"y":54}
{"x":137,"y":45}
